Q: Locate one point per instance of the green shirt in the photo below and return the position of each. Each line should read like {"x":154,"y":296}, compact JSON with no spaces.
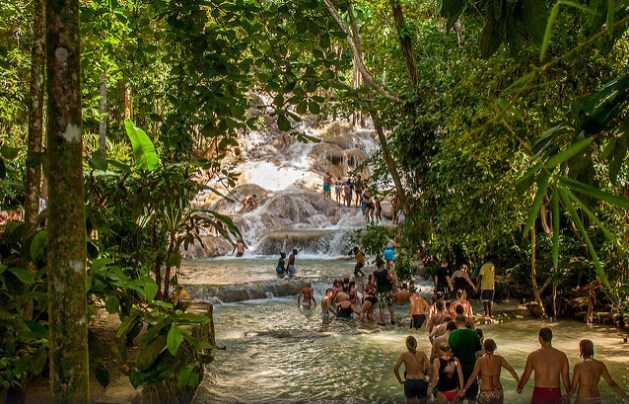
{"x":464,"y":343}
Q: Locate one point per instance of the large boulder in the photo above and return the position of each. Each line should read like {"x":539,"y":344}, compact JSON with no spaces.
{"x":212,"y":246}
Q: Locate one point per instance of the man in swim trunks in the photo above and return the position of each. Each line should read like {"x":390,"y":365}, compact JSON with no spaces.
{"x":384,"y":288}
{"x":417,"y":310}
{"x":416,"y":368}
{"x":587,"y":375}
{"x":551,"y":367}
{"x":307,"y":294}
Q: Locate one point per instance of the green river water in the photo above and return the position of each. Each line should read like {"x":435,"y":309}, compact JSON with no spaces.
{"x":304,"y":360}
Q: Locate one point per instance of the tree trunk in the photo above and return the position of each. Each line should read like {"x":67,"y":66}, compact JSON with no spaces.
{"x":128,"y":103}
{"x":536,"y":294}
{"x":67,"y":310}
{"x":405,"y":42}
{"x":102,"y":109}
{"x":390,"y":162}
{"x":35,"y":123}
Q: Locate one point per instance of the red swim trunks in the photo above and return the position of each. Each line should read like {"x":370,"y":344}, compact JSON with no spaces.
{"x":545,"y":395}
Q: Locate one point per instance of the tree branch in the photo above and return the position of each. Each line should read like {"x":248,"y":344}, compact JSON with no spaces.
{"x":353,"y":40}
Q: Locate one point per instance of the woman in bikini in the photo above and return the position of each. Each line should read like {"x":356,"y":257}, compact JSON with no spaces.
{"x":487,"y":369}
{"x":447,"y":376}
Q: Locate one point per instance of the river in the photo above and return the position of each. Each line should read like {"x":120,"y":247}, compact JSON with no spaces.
{"x":277,"y":353}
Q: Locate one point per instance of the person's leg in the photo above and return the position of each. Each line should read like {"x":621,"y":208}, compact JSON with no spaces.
{"x":391,"y":311}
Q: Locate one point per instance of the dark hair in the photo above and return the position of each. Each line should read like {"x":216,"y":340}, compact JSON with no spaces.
{"x":460,"y":311}
{"x":459,"y":293}
{"x":379,"y":261}
{"x":460,"y":320}
{"x":440,"y":305}
{"x":295,"y":251}
{"x":587,"y":348}
{"x":480,"y":333}
{"x":489,"y":345}
{"x":283,"y":255}
{"x":411,"y":343}
{"x":451,"y":326}
{"x":546,"y":334}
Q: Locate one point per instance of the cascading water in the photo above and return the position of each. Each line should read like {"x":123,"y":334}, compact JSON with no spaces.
{"x":287,"y":181}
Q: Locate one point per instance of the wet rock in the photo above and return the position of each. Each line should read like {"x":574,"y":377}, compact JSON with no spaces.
{"x":212,"y":247}
{"x":245,"y":291}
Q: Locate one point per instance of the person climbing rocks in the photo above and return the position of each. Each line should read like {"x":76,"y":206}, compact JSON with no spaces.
{"x":338,"y":191}
{"x":389,"y":254}
{"x":327,"y":186}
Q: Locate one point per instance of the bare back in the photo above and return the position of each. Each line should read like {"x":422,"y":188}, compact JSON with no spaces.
{"x":548,"y":364}
{"x":587,"y":375}
{"x":489,"y":372}
{"x":415,"y":365}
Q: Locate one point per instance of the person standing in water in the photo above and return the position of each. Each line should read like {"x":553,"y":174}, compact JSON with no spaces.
{"x":389,"y":254}
{"x":327,"y":307}
{"x":587,"y":376}
{"x":417,"y":309}
{"x":551,"y":367}
{"x":416,"y":370}
{"x":291,"y":263}
{"x":446,"y":376}
{"x":360,"y":263}
{"x":308,"y":297}
{"x":487,"y":287}
{"x":465,"y":344}
{"x":461,"y":280}
{"x":384,"y":288}
{"x":280,"y":268}
{"x":487,"y":370}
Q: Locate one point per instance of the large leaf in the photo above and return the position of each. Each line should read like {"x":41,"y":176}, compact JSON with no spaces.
{"x":591,"y":215}
{"x":146,"y":157}
{"x":39,"y":245}
{"x":598,"y":109}
{"x":24,"y":275}
{"x":568,"y":153}
{"x":149,"y":353}
{"x":174,"y":340}
{"x":598,"y":267}
{"x":594,"y":192}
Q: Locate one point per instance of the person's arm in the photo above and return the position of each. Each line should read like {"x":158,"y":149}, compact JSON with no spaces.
{"x":313,"y":299}
{"x":435,"y":377}
{"x":396,"y":369}
{"x":410,"y":308}
{"x":470,"y":282}
{"x":459,"y":372}
{"x":612,"y":383}
{"x":471,"y":379}
{"x":565,"y":375}
{"x":576,"y":378}
{"x":527,"y":373}
{"x":510,"y":369}
{"x":449,"y":280}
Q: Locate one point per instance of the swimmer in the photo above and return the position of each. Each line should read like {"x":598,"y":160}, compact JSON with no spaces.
{"x":308,"y":298}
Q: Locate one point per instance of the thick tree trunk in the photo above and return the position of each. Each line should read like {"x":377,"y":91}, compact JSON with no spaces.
{"x":35,"y":123}
{"x":405,"y":42}
{"x":390,"y":162}
{"x":102,"y":109}
{"x":67,"y":304}
{"x":536,"y":294}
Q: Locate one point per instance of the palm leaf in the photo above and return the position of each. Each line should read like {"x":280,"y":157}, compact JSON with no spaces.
{"x":594,"y":192}
{"x":542,"y":186}
{"x":554,"y":204}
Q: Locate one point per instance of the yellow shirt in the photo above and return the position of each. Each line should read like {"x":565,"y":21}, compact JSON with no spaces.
{"x":488,"y":276}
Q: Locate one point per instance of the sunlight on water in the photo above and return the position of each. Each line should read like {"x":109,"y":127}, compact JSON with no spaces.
{"x":276,"y":353}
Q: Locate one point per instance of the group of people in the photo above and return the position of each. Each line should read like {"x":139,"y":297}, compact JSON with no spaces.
{"x":465,"y":366}
{"x":286,"y":267}
{"x":352,"y":193}
{"x":462,"y":365}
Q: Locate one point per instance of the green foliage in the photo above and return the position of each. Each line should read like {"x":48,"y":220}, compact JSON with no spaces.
{"x":143,"y":149}
{"x":373,"y":238}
